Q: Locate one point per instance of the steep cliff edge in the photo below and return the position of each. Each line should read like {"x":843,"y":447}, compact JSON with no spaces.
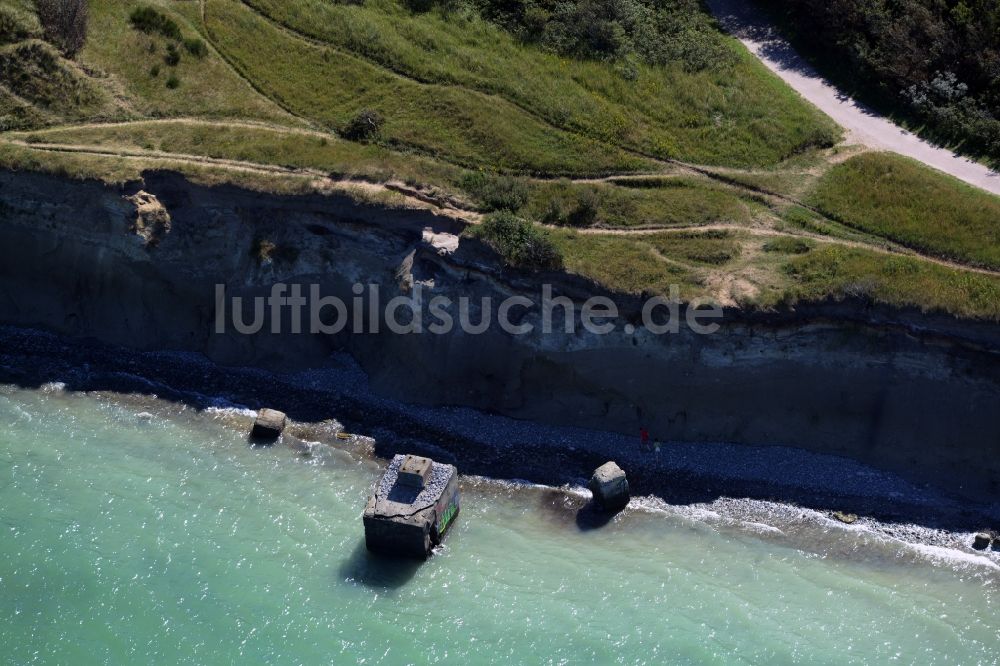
{"x":139,"y":265}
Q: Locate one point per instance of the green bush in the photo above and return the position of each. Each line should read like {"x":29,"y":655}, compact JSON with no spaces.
{"x":65,"y":23}
{"x":173,"y":56}
{"x":520,"y":242}
{"x":365,"y":126}
{"x":494,"y":192}
{"x":173,"y":82}
{"x":151,"y":21}
{"x":553,"y":213}
{"x":196,"y":47}
{"x":584,"y":213}
{"x":154,"y":71}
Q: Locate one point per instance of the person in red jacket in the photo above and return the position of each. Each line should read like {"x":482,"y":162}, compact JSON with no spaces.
{"x":644,"y":439}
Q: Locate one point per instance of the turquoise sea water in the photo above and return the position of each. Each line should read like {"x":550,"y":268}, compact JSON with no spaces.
{"x":127,"y":541}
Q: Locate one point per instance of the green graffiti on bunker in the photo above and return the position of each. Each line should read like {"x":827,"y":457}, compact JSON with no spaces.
{"x":447,"y":516}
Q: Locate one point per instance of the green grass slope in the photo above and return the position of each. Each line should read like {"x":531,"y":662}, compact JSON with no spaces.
{"x":261,"y":144}
{"x":16,"y":113}
{"x":207,"y":86}
{"x":462,"y":126}
{"x":734,"y":114}
{"x":842,"y":272}
{"x":902,"y":200}
{"x":18,"y":21}
{"x":38,"y":83}
{"x":625,"y":203}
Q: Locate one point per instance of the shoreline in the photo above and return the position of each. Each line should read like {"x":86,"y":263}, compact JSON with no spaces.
{"x":700,"y":476}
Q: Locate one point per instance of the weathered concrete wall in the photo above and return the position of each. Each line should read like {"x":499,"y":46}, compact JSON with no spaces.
{"x":908,"y":392}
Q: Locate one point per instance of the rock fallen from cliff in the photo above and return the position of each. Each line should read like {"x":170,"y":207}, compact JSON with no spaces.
{"x":610,"y":487}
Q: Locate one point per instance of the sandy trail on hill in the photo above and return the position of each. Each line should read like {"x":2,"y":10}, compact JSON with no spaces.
{"x":864,"y":126}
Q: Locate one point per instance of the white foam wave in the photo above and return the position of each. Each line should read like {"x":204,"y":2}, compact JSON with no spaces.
{"x":762,"y":528}
{"x":942,"y":555}
{"x":231,"y":410}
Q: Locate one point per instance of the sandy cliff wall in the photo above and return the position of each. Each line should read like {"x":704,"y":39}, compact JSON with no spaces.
{"x":900,"y":390}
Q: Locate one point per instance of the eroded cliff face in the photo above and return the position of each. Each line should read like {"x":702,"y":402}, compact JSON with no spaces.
{"x":915,"y":394}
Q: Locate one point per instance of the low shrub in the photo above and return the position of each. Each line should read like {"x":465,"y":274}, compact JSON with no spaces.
{"x":173,"y":82}
{"x":553,"y":213}
{"x":584,"y":213}
{"x":494,"y":192}
{"x":520,"y":242}
{"x":654,"y":31}
{"x":196,"y":47}
{"x":365,"y":126}
{"x":151,"y":21}
{"x":419,"y":6}
{"x":173,"y":56}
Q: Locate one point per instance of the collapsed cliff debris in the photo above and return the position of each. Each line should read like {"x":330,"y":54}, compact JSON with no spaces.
{"x":413,"y":505}
{"x":152,"y":220}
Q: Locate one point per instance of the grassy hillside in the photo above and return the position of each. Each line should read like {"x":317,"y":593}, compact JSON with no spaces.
{"x":18,"y":21}
{"x":897,"y":198}
{"x":38,"y":85}
{"x":685,"y":163}
{"x":259,"y":143}
{"x":634,"y":203}
{"x":734,"y":114}
{"x":137,"y":61}
{"x":458,"y":125}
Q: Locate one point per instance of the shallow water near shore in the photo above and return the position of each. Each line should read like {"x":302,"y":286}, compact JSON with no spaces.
{"x":170,"y":540}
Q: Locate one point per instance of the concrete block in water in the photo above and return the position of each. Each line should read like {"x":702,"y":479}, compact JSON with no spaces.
{"x":269,"y":425}
{"x":982,"y":541}
{"x":415,"y":471}
{"x":610,"y":487}
{"x":403,"y":520}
